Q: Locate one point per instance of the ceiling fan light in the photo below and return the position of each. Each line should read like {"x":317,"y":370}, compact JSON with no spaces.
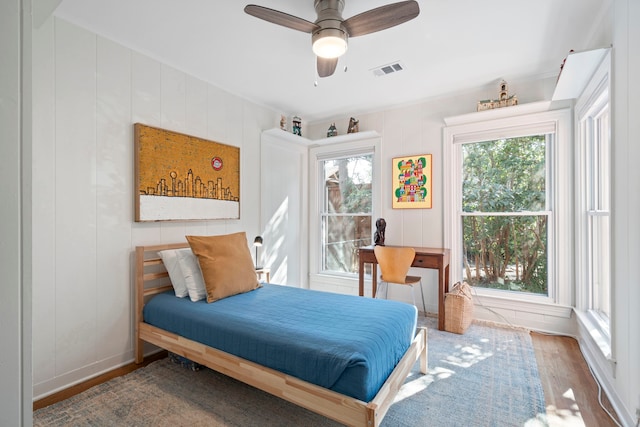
{"x":330,"y":47}
{"x":329,"y":43}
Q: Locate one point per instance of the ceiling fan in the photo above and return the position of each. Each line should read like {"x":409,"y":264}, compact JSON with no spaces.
{"x":329,"y":33}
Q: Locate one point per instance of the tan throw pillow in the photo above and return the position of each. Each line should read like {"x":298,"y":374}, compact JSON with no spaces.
{"x":226,"y":264}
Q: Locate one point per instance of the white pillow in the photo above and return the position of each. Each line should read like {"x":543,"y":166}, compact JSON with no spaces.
{"x":170,"y":260}
{"x":192,"y":275}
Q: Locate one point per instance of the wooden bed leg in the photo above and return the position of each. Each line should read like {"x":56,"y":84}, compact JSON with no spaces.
{"x":424,"y":358}
{"x":371,"y":416}
{"x":139,"y":353}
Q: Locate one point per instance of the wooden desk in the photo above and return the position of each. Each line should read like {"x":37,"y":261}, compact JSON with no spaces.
{"x":436,"y":258}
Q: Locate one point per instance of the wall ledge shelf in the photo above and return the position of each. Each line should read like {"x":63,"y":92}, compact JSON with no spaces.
{"x":290,"y":137}
{"x":498,"y":113}
{"x":576,"y":73}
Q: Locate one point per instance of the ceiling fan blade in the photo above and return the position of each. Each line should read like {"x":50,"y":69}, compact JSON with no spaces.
{"x":281,"y":18}
{"x":326,"y":66}
{"x":381,"y":18}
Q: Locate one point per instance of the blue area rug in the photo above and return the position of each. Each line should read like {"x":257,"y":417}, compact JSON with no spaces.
{"x":486,"y":377}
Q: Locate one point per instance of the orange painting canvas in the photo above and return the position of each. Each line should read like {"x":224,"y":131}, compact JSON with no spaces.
{"x":182,"y":177}
{"x":412,"y":182}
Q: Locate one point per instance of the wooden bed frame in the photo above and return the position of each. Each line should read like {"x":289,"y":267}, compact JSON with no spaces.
{"x":151,"y":278}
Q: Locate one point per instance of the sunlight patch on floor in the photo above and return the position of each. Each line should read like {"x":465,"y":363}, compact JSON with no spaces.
{"x":468,"y":356}
{"x":563,"y":417}
{"x":416,"y":383}
{"x":539,"y":421}
{"x":568,"y":416}
{"x":464,"y":357}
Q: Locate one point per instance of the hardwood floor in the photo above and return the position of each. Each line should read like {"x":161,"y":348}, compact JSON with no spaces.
{"x":571,"y":393}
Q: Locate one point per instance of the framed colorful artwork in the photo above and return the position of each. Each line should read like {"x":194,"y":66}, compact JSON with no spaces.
{"x":412,"y":182}
{"x":180,"y":177}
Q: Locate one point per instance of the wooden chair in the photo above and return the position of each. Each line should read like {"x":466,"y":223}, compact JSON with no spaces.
{"x":394,"y":265}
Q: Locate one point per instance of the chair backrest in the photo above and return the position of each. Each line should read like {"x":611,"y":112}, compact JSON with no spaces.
{"x":394,"y":262}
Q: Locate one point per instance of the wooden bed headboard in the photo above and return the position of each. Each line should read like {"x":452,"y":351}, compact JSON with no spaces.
{"x":151,"y":279}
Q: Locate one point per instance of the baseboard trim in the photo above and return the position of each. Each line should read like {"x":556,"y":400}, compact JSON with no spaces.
{"x":602,"y":370}
{"x":84,"y":385}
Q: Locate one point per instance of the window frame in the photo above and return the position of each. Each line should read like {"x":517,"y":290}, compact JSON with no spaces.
{"x":547,"y":211}
{"x":595,"y":98}
{"x":505,"y":123}
{"x":325,"y":215}
{"x":359,"y":145}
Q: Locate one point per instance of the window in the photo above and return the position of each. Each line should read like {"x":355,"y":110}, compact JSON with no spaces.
{"x":508,"y":196}
{"x":344,"y":198}
{"x":593,"y":225}
{"x":597,"y":148}
{"x":346,"y":214}
{"x":505,"y":214}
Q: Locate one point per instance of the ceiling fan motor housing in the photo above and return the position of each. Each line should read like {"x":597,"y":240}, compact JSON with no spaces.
{"x":330,"y":40}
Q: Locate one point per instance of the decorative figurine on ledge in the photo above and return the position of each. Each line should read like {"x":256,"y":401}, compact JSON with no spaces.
{"x":332,"y":131}
{"x":378,"y":236}
{"x":504,"y":99}
{"x":283,"y":122}
{"x":297,"y":126}
{"x":353,"y":125}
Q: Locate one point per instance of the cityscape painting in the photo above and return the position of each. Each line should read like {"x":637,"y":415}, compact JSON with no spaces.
{"x":180,"y":177}
{"x":412,"y":184}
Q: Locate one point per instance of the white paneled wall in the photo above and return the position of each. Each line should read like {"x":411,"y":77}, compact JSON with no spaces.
{"x":285,"y":211}
{"x":75,"y":198}
{"x":88,"y":93}
{"x":114,"y":176}
{"x":44,"y":212}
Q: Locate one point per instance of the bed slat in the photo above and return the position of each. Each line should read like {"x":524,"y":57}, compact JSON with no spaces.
{"x":155,"y":291}
{"x":154,"y":276}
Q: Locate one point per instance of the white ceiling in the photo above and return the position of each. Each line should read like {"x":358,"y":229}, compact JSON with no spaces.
{"x":452,"y":46}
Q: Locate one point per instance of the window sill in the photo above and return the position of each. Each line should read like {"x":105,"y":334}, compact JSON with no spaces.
{"x":342,"y":284}
{"x":521,"y":303}
{"x":597,"y":338}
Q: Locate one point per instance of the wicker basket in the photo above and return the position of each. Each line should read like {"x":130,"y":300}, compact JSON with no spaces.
{"x":458,"y":308}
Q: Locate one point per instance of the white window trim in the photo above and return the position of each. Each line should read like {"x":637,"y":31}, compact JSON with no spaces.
{"x":601,"y":339}
{"x":496,"y":124}
{"x":358,"y":143}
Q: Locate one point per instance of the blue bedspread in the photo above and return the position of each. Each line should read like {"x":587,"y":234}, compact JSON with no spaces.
{"x":345,"y":343}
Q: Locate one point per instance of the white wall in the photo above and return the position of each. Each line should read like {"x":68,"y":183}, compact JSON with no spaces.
{"x":625,"y":207}
{"x":284,"y":208}
{"x":88,"y":92}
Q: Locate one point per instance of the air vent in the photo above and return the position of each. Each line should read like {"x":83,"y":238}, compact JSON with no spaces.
{"x":387,"y":69}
